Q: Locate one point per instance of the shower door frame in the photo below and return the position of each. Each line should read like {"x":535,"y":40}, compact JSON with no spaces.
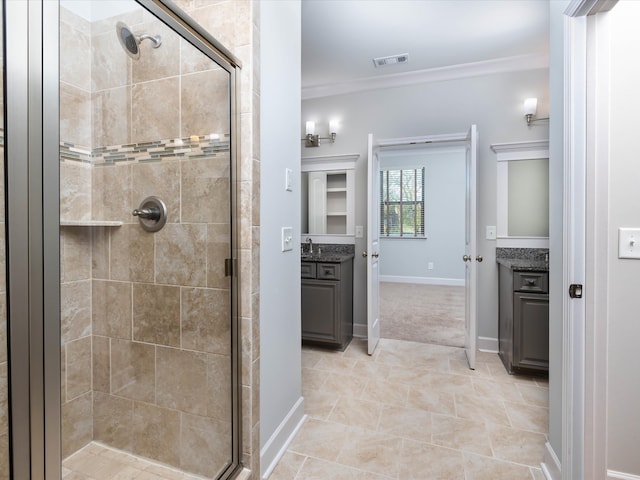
{"x":33,"y":228}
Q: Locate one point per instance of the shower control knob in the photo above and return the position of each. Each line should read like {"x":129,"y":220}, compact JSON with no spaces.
{"x":152,"y":213}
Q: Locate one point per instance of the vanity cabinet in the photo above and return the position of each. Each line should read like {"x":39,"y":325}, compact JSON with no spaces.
{"x":524,"y":320}
{"x":327,"y":303}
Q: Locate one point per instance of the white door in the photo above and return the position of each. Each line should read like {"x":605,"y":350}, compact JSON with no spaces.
{"x":373,"y":247}
{"x":471,"y":257}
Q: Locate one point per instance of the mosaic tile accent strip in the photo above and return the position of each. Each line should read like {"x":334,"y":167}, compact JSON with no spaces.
{"x":193,"y":147}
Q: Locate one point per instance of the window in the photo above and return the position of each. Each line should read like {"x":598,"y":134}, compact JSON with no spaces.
{"x":402,"y":203}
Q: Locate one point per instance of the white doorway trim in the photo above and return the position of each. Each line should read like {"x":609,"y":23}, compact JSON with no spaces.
{"x":584,"y":350}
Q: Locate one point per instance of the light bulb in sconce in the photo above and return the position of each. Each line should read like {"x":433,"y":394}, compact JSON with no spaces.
{"x":530,"y":107}
{"x":333,"y":129}
{"x":310,"y":128}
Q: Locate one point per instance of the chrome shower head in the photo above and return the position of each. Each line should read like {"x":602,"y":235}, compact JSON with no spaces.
{"x":131,"y":43}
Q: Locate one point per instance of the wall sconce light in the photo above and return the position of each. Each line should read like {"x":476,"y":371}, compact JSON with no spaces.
{"x":313,"y":140}
{"x":530,"y":107}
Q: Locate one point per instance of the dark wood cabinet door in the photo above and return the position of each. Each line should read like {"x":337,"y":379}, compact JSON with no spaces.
{"x":531,"y":331}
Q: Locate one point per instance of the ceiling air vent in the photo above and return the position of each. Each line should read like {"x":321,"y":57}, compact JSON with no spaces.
{"x":391,"y":60}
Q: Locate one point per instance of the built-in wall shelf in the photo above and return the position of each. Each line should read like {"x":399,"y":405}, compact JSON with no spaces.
{"x":90,"y":223}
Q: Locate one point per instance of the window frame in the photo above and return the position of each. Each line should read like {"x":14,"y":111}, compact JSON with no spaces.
{"x":384,"y":204}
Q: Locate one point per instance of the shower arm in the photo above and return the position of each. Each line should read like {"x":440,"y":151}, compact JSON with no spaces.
{"x":156,"y":39}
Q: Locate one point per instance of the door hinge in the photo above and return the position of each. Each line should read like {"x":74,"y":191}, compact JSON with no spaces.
{"x":575,"y":290}
{"x":229,"y":267}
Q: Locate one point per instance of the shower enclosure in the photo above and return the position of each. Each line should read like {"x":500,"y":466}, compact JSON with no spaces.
{"x":121,"y":157}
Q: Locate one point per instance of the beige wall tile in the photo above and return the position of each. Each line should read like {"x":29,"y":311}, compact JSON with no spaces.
{"x":180,"y":253}
{"x":205,"y":103}
{"x":156,"y":433}
{"x":112,"y":420}
{"x":75,"y":261}
{"x":110,"y":65}
{"x":156,"y":314}
{"x":219,"y":386}
{"x":76,"y":424}
{"x":75,"y":299}
{"x":133,"y":370}
{"x":156,"y":63}
{"x":182,"y":381}
{"x":99,"y":242}
{"x":75,"y":115}
{"x":193,"y":60}
{"x":3,"y":326}
{"x":75,"y":54}
{"x":204,"y":445}
{"x":78,"y":368}
{"x":131,"y":254}
{"x":218,"y":18}
{"x":205,"y":190}
{"x":152,"y":119}
{"x":4,"y":457}
{"x":161,"y":180}
{"x":101,"y":363}
{"x":111,"y":309}
{"x":111,"y":116}
{"x":205,"y":320}
{"x":75,"y":191}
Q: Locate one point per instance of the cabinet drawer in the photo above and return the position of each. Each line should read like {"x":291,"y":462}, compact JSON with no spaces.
{"x":531,"y":282}
{"x":308,"y":270}
{"x":328,"y":271}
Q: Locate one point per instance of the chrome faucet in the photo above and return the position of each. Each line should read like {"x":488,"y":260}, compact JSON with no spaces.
{"x":310,"y":243}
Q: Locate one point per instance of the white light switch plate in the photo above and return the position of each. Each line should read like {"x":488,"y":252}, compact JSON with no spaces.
{"x":287,"y":239}
{"x":629,"y":243}
{"x":490,"y":232}
{"x":359,"y":231}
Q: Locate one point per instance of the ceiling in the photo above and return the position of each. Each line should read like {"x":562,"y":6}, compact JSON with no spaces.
{"x":340,"y":38}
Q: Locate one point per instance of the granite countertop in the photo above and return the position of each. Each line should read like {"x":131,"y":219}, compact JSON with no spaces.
{"x":527,"y":259}
{"x":326,"y":257}
{"x":526,"y":264}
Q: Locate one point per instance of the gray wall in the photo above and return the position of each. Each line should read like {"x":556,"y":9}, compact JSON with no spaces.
{"x":556,"y":231}
{"x":280,"y":357}
{"x":624,"y":210}
{"x":444,"y":192}
{"x":493,"y":102}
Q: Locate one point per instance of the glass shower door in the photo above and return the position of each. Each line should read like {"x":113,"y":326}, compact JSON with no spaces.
{"x":147,"y":352}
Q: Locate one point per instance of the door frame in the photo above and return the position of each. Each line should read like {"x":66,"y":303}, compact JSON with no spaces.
{"x":584,"y":346}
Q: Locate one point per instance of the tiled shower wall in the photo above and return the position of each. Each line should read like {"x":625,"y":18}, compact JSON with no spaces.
{"x":144,"y":353}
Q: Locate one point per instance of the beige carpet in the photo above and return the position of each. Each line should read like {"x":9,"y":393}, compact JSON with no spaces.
{"x":422,"y":313}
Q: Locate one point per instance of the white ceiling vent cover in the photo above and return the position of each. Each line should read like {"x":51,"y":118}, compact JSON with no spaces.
{"x":391,"y":60}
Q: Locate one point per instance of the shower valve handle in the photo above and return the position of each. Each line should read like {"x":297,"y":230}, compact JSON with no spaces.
{"x":152,"y":213}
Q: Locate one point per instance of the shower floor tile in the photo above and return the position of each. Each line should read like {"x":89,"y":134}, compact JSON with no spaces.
{"x":97,"y":462}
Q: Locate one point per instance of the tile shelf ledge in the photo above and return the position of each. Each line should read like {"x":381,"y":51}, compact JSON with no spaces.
{"x":89,"y":223}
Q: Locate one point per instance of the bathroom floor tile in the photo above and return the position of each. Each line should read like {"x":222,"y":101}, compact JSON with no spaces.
{"x":416,"y":411}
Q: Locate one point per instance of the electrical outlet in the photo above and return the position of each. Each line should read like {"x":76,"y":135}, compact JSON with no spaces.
{"x":490,"y":232}
{"x":430,"y":266}
{"x":359,"y":231}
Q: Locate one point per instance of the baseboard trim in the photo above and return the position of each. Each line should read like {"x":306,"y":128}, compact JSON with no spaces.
{"x":613,"y":475}
{"x":452,"y":282}
{"x":551,"y":467}
{"x":277,"y":445}
{"x":487,"y":344}
{"x":359,"y":330}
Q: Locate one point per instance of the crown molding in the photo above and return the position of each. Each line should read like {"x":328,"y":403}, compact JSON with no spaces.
{"x":488,"y":67}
